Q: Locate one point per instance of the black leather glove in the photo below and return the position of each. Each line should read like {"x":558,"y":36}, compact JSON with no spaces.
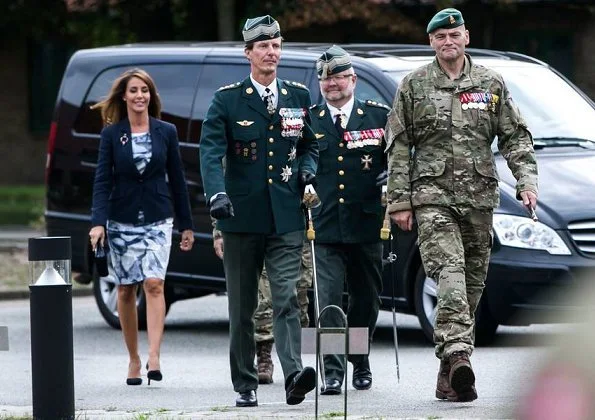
{"x":306,"y":178}
{"x":382,"y":178}
{"x":221,"y":207}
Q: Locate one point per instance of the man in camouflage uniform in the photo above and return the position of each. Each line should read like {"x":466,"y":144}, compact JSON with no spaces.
{"x":348,"y":247}
{"x":263,"y":318}
{"x":260,"y":126}
{"x":444,"y":118}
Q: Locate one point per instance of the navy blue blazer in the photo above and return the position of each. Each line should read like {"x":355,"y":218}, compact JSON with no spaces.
{"x":120,"y":191}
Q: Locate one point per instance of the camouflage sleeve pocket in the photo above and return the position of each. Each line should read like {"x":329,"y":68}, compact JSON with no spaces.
{"x":394,"y":127}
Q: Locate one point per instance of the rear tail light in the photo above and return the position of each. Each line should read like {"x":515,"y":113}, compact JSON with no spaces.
{"x":51,"y":146}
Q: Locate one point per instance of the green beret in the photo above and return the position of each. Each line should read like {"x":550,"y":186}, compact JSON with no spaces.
{"x":445,"y":18}
{"x":260,"y":28}
{"x":332,"y":61}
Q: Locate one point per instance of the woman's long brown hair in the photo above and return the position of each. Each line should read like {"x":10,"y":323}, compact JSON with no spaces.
{"x":113,"y":108}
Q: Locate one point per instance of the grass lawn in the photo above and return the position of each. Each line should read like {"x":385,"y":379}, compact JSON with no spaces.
{"x":21,"y":204}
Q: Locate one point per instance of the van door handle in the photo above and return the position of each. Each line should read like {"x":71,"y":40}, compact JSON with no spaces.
{"x":88,"y":164}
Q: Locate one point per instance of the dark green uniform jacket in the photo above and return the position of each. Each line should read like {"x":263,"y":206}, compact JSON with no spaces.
{"x":264,"y":155}
{"x":351,"y":210}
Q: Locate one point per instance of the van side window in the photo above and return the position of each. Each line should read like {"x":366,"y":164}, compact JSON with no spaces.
{"x":215,"y":75}
{"x":364,"y":90}
{"x":175,"y":84}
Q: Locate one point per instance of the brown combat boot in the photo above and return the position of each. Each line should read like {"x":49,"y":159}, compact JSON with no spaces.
{"x":443,"y":389}
{"x":461,"y":376}
{"x":265,"y":362}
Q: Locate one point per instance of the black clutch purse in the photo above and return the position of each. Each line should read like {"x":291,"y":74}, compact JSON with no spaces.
{"x":101,"y":260}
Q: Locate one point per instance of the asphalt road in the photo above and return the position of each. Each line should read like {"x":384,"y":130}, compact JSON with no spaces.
{"x":196,"y":373}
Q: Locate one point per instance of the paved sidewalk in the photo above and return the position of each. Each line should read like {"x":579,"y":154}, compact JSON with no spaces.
{"x":18,"y":236}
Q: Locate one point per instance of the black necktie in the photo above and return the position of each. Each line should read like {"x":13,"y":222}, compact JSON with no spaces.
{"x":340,"y":129}
{"x":268,"y":101}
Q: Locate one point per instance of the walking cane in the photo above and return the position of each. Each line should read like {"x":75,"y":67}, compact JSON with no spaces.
{"x":310,"y":201}
{"x":385,"y":235}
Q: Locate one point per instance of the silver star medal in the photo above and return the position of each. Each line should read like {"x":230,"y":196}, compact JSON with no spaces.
{"x":286,"y":173}
{"x":292,"y":153}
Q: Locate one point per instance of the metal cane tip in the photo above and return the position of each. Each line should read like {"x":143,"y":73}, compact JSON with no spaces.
{"x":310,"y":198}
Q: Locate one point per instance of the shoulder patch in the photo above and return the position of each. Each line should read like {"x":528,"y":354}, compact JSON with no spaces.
{"x":295,"y":84}
{"x":233,"y":85}
{"x":377,"y":104}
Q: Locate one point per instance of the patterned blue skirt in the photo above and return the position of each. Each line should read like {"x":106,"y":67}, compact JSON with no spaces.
{"x":139,"y":252}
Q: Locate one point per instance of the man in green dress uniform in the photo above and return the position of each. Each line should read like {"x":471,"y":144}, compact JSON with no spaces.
{"x":348,"y":248}
{"x":261,"y":127}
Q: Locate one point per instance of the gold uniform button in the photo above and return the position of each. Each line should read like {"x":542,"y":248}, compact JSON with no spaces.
{"x":271,"y":127}
{"x":271,"y":140}
{"x":270,"y":167}
{"x":271,"y":153}
{"x":340,"y":158}
{"x":341,"y":200}
{"x":270,"y":181}
{"x":341,"y":172}
{"x":341,"y":186}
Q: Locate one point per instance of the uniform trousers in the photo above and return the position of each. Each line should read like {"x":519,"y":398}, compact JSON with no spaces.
{"x":455,"y":245}
{"x":243,"y":259}
{"x":359,"y":266}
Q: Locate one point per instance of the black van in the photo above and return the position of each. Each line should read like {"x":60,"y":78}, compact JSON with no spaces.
{"x":529,"y":259}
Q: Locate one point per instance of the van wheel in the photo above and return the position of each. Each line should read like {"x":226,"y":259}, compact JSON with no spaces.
{"x":106,"y":297}
{"x":425,"y":300}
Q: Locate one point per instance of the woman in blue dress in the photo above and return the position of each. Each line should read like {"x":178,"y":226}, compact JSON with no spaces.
{"x":138,"y":155}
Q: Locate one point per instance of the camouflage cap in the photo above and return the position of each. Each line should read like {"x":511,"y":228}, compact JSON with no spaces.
{"x":260,"y":29}
{"x":445,"y":18}
{"x":332,"y":61}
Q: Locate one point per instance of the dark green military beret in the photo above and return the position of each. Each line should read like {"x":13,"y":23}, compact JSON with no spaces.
{"x":445,"y":18}
{"x":332,"y":61}
{"x":260,"y":29}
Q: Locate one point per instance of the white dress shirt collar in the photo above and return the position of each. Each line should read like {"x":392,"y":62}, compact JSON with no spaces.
{"x":272,"y":87}
{"x":345,"y":109}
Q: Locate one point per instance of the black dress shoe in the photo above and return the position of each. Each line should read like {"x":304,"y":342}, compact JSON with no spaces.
{"x":362,"y":376}
{"x":247,"y":399}
{"x":299,"y":385}
{"x":331,"y":386}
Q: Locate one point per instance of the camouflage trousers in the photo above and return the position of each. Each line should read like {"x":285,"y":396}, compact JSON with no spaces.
{"x":263,"y":317}
{"x":455,"y":245}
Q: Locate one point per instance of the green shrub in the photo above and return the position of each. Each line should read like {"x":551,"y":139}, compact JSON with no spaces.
{"x":21,"y":204}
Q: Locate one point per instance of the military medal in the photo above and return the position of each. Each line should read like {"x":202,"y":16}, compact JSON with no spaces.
{"x":356,"y":139}
{"x":292,"y":153}
{"x":286,"y":173}
{"x":292,"y":121}
{"x":366,"y":161}
{"x":343,"y":119}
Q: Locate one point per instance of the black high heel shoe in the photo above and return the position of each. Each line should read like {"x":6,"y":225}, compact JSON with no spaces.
{"x":134,"y":381}
{"x":153,"y":375}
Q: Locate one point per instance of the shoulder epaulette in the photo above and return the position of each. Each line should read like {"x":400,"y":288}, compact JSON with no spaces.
{"x":296,"y":84}
{"x":377,"y":104}
{"x":233,"y":85}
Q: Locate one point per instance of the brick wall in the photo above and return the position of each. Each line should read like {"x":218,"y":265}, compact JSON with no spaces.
{"x":22,"y":154}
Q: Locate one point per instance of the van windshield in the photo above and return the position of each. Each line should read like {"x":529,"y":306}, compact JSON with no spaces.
{"x":553,"y":110}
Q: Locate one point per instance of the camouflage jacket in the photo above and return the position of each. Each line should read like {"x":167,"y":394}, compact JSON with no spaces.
{"x":439,"y":134}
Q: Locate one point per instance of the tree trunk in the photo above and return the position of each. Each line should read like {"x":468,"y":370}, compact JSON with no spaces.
{"x":226,"y":20}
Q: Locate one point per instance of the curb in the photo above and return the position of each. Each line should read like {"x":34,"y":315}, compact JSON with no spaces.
{"x":24,"y":294}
